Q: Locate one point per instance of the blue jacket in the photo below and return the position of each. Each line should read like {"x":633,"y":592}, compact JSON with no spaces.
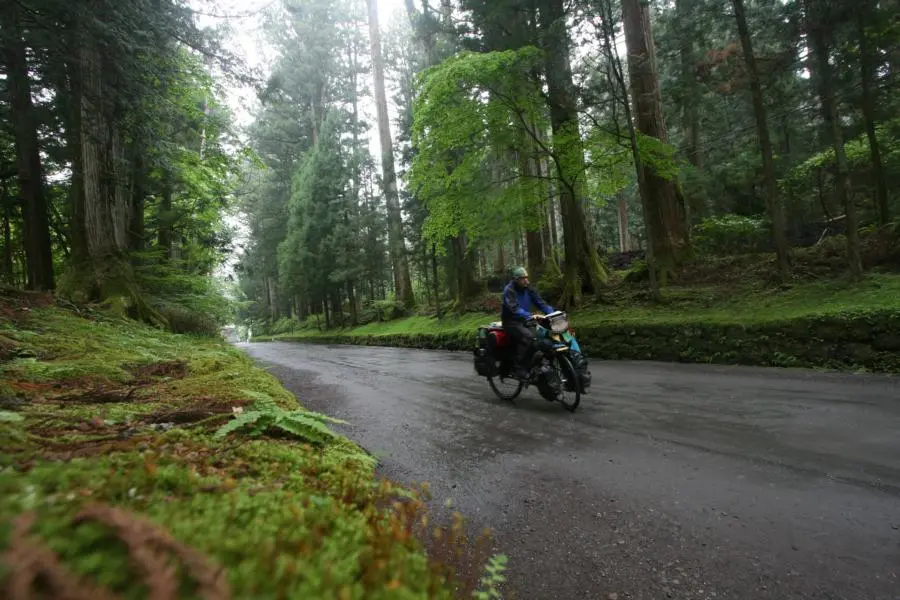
{"x":518,"y":304}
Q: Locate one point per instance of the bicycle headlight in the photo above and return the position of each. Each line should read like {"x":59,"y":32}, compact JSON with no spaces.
{"x":559,"y":325}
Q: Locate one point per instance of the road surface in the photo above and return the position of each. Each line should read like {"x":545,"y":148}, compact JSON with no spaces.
{"x":671,"y":481}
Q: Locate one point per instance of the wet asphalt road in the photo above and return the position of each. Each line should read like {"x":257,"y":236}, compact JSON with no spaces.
{"x":671,"y":481}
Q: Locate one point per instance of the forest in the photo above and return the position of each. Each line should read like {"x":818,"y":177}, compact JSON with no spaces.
{"x":402,"y":170}
{"x":697,"y":181}
{"x":594,"y":142}
{"x":118,"y":160}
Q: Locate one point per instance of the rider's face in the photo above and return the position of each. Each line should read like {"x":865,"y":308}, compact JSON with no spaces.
{"x":522,"y":281}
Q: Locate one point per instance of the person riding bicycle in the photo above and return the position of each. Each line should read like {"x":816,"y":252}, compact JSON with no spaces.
{"x":519,"y":301}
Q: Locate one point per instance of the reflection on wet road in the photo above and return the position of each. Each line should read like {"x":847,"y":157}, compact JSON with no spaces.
{"x":671,"y":481}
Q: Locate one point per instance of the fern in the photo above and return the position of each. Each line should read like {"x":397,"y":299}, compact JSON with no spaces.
{"x":299,"y":425}
{"x":263,"y":402}
{"x":493,"y":578}
{"x":251,"y":417}
{"x":305,"y":425}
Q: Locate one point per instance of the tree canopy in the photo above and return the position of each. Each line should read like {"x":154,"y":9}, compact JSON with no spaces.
{"x":401,"y":161}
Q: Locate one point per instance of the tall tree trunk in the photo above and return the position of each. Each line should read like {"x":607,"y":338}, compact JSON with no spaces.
{"x":302,"y":308}
{"x":517,"y":249}
{"x":351,"y":300}
{"x":616,"y":77}
{"x":8,"y":271}
{"x":164,"y":234}
{"x":105,"y":198}
{"x":435,"y":280}
{"x":552,"y":223}
{"x":336,"y":310}
{"x":548,"y":232}
{"x":534,"y":251}
{"x":691,"y":98}
{"x":399,"y":259}
{"x":464,"y":267}
{"x":528,"y":168}
{"x":328,"y":320}
{"x":356,"y":177}
{"x":272,"y":295}
{"x":773,"y":201}
{"x":867,"y":63}
{"x":663,"y":213}
{"x":823,"y":77}
{"x":690,"y":89}
{"x":36,"y":220}
{"x":73,"y":127}
{"x":138,"y":198}
{"x":582,"y":266}
{"x":624,"y":238}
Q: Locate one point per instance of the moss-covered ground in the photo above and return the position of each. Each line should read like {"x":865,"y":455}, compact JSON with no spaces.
{"x":829,"y":322}
{"x":114,"y":484}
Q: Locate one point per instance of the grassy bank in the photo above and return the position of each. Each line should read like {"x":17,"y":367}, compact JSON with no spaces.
{"x":831,"y":323}
{"x":117,"y":478}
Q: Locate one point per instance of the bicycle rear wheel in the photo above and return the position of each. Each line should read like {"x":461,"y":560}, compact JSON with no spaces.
{"x":506,"y":388}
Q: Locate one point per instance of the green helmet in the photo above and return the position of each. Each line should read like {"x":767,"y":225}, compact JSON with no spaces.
{"x":519,"y":272}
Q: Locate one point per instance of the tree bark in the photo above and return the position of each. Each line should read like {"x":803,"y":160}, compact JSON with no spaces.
{"x":582,"y":267}
{"x":164,"y":234}
{"x":773,"y":201}
{"x":624,"y":237}
{"x":528,"y":168}
{"x":823,"y":77}
{"x":464,"y":266}
{"x":435,"y":280}
{"x":138,"y":198}
{"x":548,"y":232}
{"x":663,"y":213}
{"x":73,"y":128}
{"x":399,"y":259}
{"x":8,"y":271}
{"x":616,"y":77}
{"x":867,"y":63}
{"x":106,"y":203}
{"x":36,"y":220}
{"x":690,"y":98}
{"x":351,"y":300}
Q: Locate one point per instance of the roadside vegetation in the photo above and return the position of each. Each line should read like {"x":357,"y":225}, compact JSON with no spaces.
{"x":139,"y":463}
{"x":724,"y":190}
{"x":729,"y":313}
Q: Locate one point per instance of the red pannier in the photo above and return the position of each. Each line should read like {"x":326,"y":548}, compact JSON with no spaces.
{"x":491,"y":340}
{"x":500,"y":337}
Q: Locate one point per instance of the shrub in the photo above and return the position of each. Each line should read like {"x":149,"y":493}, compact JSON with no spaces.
{"x":388,"y":310}
{"x":285,"y":325}
{"x":729,"y":235}
{"x":184,"y":320}
{"x":639,"y":271}
{"x":551,"y":281}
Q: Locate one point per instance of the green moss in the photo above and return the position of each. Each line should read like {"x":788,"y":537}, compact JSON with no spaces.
{"x":285,"y":519}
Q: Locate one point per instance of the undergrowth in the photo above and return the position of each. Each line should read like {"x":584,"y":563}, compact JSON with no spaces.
{"x":138,"y":463}
{"x":732,"y":303}
{"x":834,"y":324}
